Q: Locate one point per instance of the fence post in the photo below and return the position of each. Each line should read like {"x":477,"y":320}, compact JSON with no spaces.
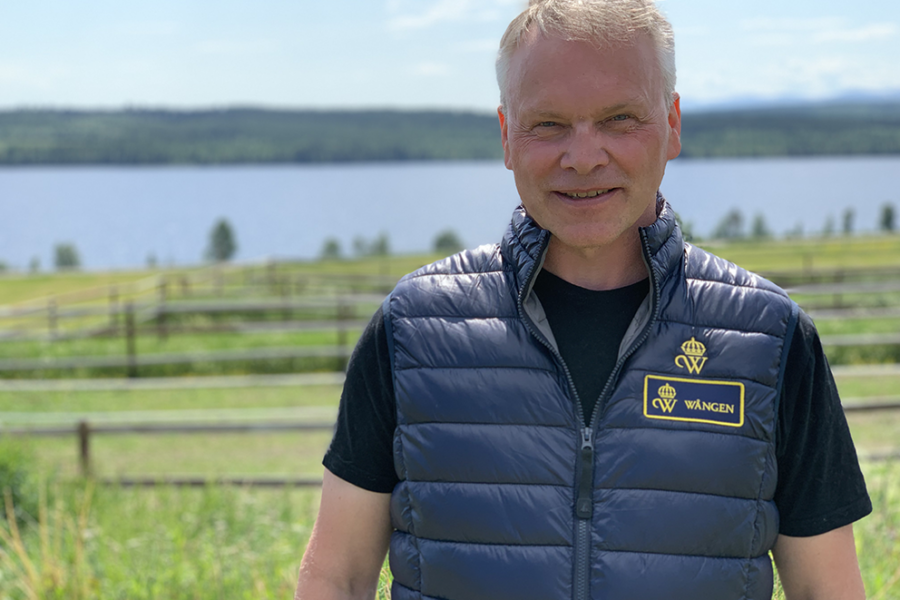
{"x":113,"y":310}
{"x":84,"y":448}
{"x":161,"y":331}
{"x":342,"y":334}
{"x":838,"y":297}
{"x":130,"y":343}
{"x":219,"y":280}
{"x":288,"y":314}
{"x":52,"y":317}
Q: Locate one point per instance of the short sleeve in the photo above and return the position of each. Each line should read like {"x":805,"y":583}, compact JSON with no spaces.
{"x":361,"y":450}
{"x":820,"y":485}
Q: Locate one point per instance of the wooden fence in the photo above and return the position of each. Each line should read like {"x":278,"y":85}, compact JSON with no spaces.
{"x":84,"y":430}
{"x":99,"y":310}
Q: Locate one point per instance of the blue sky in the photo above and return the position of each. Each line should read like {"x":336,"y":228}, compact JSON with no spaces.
{"x":407,"y":53}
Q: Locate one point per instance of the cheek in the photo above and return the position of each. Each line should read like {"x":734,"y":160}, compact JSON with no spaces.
{"x":534,"y":154}
{"x":641,"y":151}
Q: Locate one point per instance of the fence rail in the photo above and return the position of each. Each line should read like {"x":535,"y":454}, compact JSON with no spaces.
{"x":85,"y":430}
{"x":134,"y":362}
{"x":259,"y":287}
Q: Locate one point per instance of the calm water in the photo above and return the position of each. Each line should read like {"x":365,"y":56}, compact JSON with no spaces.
{"x":118,"y":216}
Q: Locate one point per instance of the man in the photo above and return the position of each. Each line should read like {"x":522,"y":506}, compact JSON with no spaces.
{"x":592,"y":408}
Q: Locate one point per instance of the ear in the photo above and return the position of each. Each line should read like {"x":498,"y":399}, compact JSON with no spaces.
{"x":674,"y":148}
{"x":504,"y":136}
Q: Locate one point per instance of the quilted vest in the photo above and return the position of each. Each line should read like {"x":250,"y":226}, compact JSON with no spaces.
{"x":506,"y":493}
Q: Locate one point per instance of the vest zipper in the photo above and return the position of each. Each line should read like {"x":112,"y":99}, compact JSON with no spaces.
{"x":583,"y":537}
{"x":584,"y":505}
{"x":584,"y":509}
{"x":585,"y":464}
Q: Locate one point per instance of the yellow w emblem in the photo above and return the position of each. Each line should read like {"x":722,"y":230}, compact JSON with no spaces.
{"x":664,"y":404}
{"x":693,"y":358}
{"x":694,"y":364}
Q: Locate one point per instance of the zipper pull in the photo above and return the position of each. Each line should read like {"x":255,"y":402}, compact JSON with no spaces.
{"x":584,"y":505}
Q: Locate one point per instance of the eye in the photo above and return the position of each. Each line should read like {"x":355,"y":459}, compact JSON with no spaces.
{"x":621,"y":118}
{"x":547,"y":124}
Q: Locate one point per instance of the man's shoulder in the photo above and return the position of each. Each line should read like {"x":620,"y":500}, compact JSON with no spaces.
{"x":472,"y":282}
{"x":703,"y":265}
{"x":483,"y":259}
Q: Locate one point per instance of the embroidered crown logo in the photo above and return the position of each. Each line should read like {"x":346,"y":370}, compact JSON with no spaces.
{"x":693,"y":358}
{"x":666,"y":400}
{"x":666,"y":391}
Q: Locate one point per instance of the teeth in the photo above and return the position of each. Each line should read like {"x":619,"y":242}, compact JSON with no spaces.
{"x":587,"y":194}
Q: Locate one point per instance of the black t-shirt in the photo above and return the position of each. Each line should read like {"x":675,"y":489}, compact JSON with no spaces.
{"x":820,"y":486}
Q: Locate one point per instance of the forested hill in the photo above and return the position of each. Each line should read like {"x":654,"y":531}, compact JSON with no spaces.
{"x":236,"y":136}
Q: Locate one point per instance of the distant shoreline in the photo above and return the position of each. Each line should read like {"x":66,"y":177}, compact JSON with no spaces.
{"x":246,"y":137}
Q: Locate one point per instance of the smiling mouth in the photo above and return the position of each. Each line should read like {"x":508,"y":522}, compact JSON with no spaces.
{"x":591,"y":194}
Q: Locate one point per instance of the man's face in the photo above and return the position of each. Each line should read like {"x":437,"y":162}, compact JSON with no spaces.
{"x":587,"y":134}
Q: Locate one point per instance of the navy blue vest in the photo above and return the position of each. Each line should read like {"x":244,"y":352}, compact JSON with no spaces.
{"x":506,"y":494}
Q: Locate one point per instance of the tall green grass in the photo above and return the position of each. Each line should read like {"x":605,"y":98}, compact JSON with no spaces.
{"x":214,"y":543}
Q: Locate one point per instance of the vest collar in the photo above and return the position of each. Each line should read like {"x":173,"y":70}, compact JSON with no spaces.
{"x":525,"y":244}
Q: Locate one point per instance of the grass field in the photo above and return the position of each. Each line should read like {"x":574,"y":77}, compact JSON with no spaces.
{"x":811,"y":254}
{"x":219,"y":543}
{"x":80,"y":541}
{"x":152,"y":344}
{"x":16,"y":288}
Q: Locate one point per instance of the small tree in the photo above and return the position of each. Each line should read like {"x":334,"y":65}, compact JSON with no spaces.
{"x":381,"y":246}
{"x":360,"y":246}
{"x":796,"y":233}
{"x":447,"y":242}
{"x":687,"y":229}
{"x":828,"y":229}
{"x":759,"y":230}
{"x":847,"y":222}
{"x":730,"y":227}
{"x":331,"y":249}
{"x":34,"y":265}
{"x":222,"y":242}
{"x":66,"y":257}
{"x":886,"y":222}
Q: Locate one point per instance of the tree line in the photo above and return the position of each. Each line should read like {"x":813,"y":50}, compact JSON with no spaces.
{"x":241,"y":136}
{"x":222,"y":246}
{"x":732,"y":226}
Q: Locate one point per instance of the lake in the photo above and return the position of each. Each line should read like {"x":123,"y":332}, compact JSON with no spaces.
{"x":118,"y":216}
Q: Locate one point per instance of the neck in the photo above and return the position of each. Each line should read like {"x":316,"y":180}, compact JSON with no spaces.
{"x":602,"y":268}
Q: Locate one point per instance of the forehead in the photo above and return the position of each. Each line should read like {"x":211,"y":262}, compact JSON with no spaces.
{"x":549,"y":70}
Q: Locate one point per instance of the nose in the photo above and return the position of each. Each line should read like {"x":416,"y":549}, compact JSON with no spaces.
{"x":585,"y":150}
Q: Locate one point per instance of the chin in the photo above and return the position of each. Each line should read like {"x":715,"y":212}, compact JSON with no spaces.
{"x":588,"y":238}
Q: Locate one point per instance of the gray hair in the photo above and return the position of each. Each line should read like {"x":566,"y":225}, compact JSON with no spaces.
{"x":598,"y":21}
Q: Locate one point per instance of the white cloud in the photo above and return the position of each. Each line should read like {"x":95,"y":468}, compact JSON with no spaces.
{"x":819,"y":30}
{"x":486,"y":46}
{"x":795,"y":77}
{"x":431,"y":69}
{"x":876,"y":31}
{"x":235,"y":47}
{"x":692,"y":31}
{"x":405,"y":15}
{"x":439,"y":12}
{"x":148,"y":28}
{"x":791,"y":25}
{"x":15,"y":76}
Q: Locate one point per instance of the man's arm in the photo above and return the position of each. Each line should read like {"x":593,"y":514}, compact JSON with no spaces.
{"x":819,"y":567}
{"x":347,"y":545}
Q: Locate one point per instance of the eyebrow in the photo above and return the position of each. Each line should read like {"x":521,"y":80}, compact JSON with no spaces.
{"x":627,"y":104}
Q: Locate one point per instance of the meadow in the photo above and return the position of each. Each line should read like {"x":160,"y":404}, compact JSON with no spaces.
{"x":70,"y":537}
